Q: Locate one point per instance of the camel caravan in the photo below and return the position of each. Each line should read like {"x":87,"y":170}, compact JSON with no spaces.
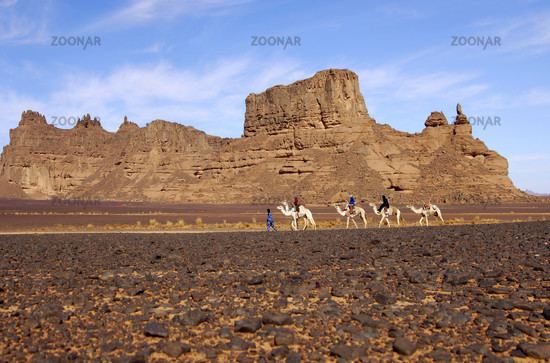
{"x":350,"y":211}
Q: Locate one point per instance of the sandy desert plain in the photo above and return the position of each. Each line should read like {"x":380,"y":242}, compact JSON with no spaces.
{"x":91,"y":215}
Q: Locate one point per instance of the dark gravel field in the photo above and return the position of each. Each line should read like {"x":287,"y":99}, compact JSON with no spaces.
{"x":452,"y":293}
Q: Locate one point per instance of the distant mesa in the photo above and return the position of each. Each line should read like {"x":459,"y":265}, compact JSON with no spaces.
{"x":314,"y":137}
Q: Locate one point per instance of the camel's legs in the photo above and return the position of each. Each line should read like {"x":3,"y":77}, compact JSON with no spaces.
{"x":364,"y":221}
{"x":353,"y":220}
{"x":427,"y":224}
{"x":347,"y":223}
{"x":381,"y":220}
{"x":398,"y":217}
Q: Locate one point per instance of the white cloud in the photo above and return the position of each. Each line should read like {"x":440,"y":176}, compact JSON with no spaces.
{"x":210,"y":98}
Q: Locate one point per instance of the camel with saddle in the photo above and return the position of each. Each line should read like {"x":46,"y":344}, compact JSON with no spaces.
{"x":428,"y":209}
{"x":351,"y":214}
{"x":302,"y":212}
{"x":386,"y":213}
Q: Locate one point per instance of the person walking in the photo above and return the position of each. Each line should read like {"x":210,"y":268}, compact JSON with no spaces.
{"x":270,"y":221}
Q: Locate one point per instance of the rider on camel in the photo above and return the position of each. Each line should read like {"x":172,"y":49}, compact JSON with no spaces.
{"x":296,"y":204}
{"x":385,"y":204}
{"x":351,"y":203}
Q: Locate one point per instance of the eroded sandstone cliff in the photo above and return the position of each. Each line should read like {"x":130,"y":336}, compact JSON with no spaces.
{"x":314,"y":138}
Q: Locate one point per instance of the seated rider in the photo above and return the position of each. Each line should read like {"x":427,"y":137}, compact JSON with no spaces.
{"x":296,"y":204}
{"x":385,"y":203}
{"x":351,"y":203}
{"x":426,"y":206}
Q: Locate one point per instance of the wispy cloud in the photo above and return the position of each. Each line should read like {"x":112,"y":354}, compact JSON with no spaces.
{"x":23,"y":25}
{"x":396,"y":82}
{"x":530,"y":157}
{"x":139,"y":12}
{"x":401,"y":11}
{"x":528,"y":33}
{"x":159,"y":47}
{"x":7,"y":3}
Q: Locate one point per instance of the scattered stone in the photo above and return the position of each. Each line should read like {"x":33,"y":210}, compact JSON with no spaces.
{"x":276,"y":318}
{"x":293,"y":357}
{"x":456,"y":278}
{"x":256,"y":280}
{"x":404,"y":346}
{"x":539,"y":351}
{"x":284,"y":337}
{"x":175,"y":349}
{"x":278,"y":352}
{"x":250,"y":325}
{"x":237,"y":343}
{"x":440,"y":355}
{"x":526,"y":329}
{"x":344,"y":351}
{"x":106,"y":276}
{"x":154,"y":329}
{"x":195,"y":317}
{"x":384,"y":299}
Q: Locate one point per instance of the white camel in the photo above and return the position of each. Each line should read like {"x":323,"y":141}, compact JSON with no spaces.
{"x":291,"y":214}
{"x":432,"y":210}
{"x":303,"y":212}
{"x":357,"y":211}
{"x":386,"y":213}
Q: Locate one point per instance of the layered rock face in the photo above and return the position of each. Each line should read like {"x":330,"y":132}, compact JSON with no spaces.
{"x":313,"y":138}
{"x":328,"y":100}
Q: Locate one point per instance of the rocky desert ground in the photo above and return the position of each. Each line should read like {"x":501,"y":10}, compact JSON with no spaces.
{"x":451,"y":293}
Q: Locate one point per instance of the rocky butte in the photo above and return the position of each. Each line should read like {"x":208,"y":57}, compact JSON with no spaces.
{"x":314,"y":138}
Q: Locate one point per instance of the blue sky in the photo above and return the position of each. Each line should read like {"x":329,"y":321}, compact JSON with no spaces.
{"x":193,"y":62}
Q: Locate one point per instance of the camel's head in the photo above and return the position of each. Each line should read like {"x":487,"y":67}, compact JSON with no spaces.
{"x":372,"y":204}
{"x":409,"y":206}
{"x":279,"y":207}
